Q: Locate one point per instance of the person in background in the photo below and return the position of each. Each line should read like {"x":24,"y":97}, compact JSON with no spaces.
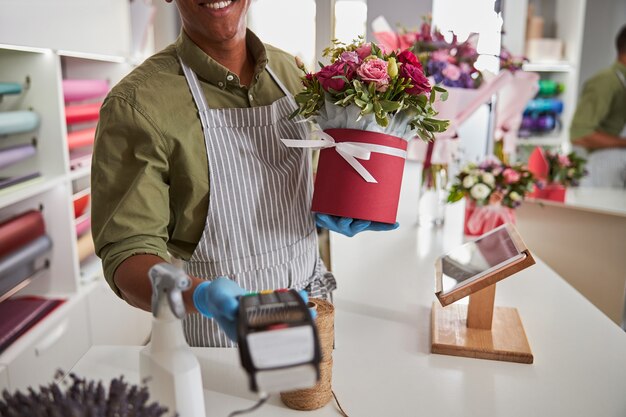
{"x":599,"y":124}
{"x":188,"y":161}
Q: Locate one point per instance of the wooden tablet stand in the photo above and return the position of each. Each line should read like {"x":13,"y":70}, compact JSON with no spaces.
{"x":480,"y":330}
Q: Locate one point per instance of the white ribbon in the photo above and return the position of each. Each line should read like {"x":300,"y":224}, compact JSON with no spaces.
{"x":349,"y":151}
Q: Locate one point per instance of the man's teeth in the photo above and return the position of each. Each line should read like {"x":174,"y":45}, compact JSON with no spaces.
{"x":219,"y":5}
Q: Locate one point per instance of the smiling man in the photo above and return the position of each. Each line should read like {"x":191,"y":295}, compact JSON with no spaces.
{"x":188,"y":163}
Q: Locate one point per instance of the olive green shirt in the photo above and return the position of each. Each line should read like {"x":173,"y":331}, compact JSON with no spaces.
{"x":149,"y":176}
{"x":602,"y":105}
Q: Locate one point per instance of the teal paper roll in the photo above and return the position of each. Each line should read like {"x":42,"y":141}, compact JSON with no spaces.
{"x":12,"y":122}
{"x":10,"y":88}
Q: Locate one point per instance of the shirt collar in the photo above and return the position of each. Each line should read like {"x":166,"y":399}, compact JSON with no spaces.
{"x":212,"y":71}
{"x":620,"y":67}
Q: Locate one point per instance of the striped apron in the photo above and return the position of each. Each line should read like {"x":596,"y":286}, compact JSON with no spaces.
{"x":259,"y":230}
{"x":607,"y":167}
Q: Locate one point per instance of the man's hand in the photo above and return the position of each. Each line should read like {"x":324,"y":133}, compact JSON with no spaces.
{"x":350,"y":227}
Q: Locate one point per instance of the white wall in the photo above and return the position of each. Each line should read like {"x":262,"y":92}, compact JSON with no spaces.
{"x":404,"y":12}
{"x":603,"y":19}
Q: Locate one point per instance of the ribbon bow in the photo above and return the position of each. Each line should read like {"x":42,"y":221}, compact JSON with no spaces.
{"x":350,"y":151}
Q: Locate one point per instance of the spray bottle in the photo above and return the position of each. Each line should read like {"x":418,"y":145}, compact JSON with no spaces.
{"x":171,"y":371}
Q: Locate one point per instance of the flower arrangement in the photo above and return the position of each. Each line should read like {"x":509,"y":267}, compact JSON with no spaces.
{"x":82,"y":398}
{"x":492,"y":182}
{"x":564,"y":169}
{"x":389,"y":89}
{"x":510,"y":62}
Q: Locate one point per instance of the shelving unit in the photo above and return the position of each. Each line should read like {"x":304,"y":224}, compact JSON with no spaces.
{"x":91,"y":313}
{"x":566,"y":17}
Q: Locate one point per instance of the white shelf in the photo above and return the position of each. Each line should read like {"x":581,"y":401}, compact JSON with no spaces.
{"x":540,"y":141}
{"x":27,"y":189}
{"x":91,"y":270}
{"x":556,"y":66}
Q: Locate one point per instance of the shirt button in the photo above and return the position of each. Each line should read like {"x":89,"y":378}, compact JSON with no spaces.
{"x":220,"y":84}
{"x":250,"y":97}
{"x":230,"y":77}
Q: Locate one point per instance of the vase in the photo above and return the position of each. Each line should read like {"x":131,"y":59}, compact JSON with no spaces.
{"x":433,"y":195}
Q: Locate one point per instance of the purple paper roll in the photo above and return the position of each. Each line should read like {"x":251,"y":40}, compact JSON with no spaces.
{"x":79,"y":90}
{"x":15,"y":154}
{"x":541,"y":123}
{"x":9,"y":181}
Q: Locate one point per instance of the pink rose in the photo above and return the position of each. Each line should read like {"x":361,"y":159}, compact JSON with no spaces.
{"x":411,"y":69}
{"x":564,"y":160}
{"x":374,"y":71}
{"x":451,"y":72}
{"x":350,"y":56}
{"x":511,"y":176}
{"x":326,"y":74}
{"x":364,"y":50}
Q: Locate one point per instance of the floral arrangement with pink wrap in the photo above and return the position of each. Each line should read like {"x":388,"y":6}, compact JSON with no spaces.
{"x":492,"y":190}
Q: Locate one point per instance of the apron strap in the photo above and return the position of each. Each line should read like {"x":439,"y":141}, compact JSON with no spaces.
{"x":277,"y":80}
{"x":196,"y":92}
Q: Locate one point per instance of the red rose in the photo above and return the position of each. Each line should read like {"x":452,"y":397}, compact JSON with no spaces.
{"x":408,"y":57}
{"x":326,"y":74}
{"x":411,"y":69}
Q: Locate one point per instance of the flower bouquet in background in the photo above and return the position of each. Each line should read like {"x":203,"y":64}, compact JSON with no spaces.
{"x":368,"y":103}
{"x":554,"y":172}
{"x":492,"y":191}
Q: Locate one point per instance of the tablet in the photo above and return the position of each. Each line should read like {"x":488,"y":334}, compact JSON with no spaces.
{"x":480,"y":263}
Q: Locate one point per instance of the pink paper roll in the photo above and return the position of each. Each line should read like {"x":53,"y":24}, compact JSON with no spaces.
{"x":80,"y":113}
{"x":79,"y":90}
{"x":83,"y":226}
{"x":81,"y":138}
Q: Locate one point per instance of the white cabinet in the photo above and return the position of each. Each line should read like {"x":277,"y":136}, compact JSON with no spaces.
{"x":81,"y":40}
{"x":57,"y":345}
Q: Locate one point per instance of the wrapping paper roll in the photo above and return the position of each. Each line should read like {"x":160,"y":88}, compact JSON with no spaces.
{"x":80,"y":157}
{"x":12,"y":122}
{"x":548,"y":88}
{"x":543,"y":123}
{"x":86,"y":247}
{"x":14,"y":154}
{"x":20,"y":314}
{"x":541,"y":105}
{"x":81,"y":138}
{"x":79,"y":90}
{"x":6,"y":182}
{"x":19,"y":264}
{"x":83,"y":225}
{"x":10,"y":88}
{"x":80,"y":204}
{"x":80,"y":113}
{"x":20,"y":230}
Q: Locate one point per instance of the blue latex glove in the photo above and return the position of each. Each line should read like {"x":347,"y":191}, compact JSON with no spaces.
{"x":350,"y":227}
{"x":219,"y":299}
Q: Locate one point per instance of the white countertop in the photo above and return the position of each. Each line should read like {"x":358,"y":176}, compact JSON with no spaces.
{"x":382,"y":360}
{"x":599,"y":200}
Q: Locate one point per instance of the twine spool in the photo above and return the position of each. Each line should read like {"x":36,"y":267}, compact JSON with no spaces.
{"x":321,"y":394}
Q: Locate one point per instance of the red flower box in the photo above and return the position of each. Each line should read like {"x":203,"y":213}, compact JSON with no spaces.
{"x":553,"y":192}
{"x":341,"y":191}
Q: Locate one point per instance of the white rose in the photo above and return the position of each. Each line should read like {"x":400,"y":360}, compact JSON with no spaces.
{"x":469,"y":181}
{"x":489,"y":179}
{"x":571,"y":172}
{"x":480,"y":191}
{"x":513,"y":195}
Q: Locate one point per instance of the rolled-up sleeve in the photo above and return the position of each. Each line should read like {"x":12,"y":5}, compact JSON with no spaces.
{"x":129,"y":186}
{"x":594,"y":104}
